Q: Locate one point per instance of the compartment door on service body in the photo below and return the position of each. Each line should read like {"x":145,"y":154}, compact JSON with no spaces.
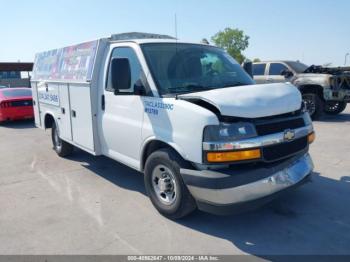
{"x":122,"y":115}
{"x":81,"y":115}
{"x":64,"y":119}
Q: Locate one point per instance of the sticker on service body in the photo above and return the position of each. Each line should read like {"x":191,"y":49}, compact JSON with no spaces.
{"x":153,"y":107}
{"x":48,"y":95}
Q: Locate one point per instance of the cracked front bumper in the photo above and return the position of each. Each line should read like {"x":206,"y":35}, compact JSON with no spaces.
{"x":219,"y":192}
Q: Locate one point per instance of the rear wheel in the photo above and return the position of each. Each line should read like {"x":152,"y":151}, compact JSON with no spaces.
{"x":334,"y":107}
{"x":165,"y":186}
{"x":61,"y":147}
{"x":314,"y":104}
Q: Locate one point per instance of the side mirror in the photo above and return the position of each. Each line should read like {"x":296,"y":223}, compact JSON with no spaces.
{"x":121,"y":74}
{"x":286,"y":73}
{"x":248,"y":67}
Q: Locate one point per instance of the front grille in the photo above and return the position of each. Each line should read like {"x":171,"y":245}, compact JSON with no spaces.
{"x":276,"y":152}
{"x":280,"y":126}
{"x":22,"y":103}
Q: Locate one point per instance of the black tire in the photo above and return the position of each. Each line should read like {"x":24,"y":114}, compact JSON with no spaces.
{"x":334,"y":108}
{"x":61,"y":147}
{"x":314,"y":105}
{"x":184,"y":203}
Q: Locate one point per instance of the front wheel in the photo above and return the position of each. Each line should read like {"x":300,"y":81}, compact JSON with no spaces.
{"x":165,"y":186}
{"x":62,"y":148}
{"x":314,"y":104}
{"x":334,"y":107}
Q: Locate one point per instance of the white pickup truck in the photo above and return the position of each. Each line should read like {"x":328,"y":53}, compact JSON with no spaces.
{"x":186,"y":115}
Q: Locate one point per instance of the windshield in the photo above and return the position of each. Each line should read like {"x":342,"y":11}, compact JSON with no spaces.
{"x":12,"y":93}
{"x":184,"y":68}
{"x":298,"y":67}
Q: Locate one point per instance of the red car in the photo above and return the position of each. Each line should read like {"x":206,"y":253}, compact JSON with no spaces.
{"x":16,"y":104}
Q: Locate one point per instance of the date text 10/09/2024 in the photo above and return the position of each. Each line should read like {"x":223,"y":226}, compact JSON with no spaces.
{"x":173,"y":258}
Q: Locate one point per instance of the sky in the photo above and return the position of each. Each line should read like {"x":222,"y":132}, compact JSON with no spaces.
{"x":312,"y":31}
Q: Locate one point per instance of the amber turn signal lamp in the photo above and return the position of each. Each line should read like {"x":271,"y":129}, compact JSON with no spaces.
{"x":311,"y":137}
{"x":231,"y":156}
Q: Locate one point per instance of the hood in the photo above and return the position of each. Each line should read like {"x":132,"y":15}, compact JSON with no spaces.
{"x":327,"y":70}
{"x":251,"y":101}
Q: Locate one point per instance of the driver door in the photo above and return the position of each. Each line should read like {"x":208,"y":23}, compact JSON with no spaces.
{"x":122,"y":113}
{"x":259,"y":70}
{"x":275,"y":73}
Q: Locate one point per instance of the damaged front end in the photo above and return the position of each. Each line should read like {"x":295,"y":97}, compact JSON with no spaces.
{"x":339,"y":82}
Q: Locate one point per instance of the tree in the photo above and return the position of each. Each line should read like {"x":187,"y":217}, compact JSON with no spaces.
{"x":233,"y":40}
{"x":256,"y":60}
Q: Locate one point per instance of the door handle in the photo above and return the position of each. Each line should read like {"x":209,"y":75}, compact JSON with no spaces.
{"x":63,"y":110}
{"x":74,"y":114}
{"x":103,"y":102}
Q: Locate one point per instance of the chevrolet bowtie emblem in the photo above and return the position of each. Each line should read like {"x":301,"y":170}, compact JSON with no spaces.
{"x":289,"y":135}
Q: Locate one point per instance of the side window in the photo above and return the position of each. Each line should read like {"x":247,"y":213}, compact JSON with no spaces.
{"x":4,"y":74}
{"x":14,"y":75}
{"x":135,"y":68}
{"x":259,"y":69}
{"x":276,"y":69}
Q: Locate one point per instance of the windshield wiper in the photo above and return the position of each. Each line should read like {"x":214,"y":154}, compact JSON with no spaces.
{"x":190,"y":89}
{"x":234,"y":84}
{"x":198,"y":88}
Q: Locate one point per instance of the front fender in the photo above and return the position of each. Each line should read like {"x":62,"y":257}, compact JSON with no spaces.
{"x":151,"y":139}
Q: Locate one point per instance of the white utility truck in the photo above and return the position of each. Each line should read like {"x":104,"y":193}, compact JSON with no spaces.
{"x":186,"y":115}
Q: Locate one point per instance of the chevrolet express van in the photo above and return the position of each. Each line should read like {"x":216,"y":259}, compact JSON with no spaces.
{"x":185,"y":115}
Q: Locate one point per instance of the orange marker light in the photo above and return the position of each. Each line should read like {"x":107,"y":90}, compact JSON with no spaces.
{"x":233,"y":156}
{"x":311,"y":137}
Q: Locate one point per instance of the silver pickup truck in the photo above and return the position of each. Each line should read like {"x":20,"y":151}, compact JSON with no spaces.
{"x":324,"y":89}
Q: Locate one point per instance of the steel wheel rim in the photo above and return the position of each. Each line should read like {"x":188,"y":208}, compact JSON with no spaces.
{"x":164,"y":184}
{"x":310,"y":102}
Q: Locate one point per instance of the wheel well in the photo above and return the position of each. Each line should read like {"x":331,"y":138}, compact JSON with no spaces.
{"x":49,"y":120}
{"x":150,"y":148}
{"x":312,"y":89}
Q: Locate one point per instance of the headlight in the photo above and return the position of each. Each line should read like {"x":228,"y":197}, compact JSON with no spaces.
{"x":229,"y":132}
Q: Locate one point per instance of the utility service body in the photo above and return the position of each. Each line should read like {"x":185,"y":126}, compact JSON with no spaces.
{"x":184,"y":114}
